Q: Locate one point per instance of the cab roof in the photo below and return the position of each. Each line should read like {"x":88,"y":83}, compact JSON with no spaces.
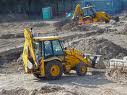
{"x":88,"y":7}
{"x":47,"y":38}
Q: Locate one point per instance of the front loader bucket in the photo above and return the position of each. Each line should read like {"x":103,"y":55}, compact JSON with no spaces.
{"x":93,"y":58}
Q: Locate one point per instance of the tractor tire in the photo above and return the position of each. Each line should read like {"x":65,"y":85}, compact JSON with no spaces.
{"x":81,"y":69}
{"x":53,"y":70}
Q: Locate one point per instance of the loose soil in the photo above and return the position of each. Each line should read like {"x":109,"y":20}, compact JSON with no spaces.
{"x":108,"y":40}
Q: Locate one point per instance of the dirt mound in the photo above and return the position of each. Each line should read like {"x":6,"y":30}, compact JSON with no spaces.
{"x":22,"y":91}
{"x":17,"y":91}
{"x":75,"y":26}
{"x":47,"y":89}
{"x":12,"y":67}
{"x":67,"y":25}
{"x":61,"y":23}
{"x":117,"y":75}
{"x":102,"y":47}
{"x":123,"y":30}
{"x":71,"y":26}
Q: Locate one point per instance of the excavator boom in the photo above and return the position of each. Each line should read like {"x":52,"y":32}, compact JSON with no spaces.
{"x":28,"y":51}
{"x":78,"y":12}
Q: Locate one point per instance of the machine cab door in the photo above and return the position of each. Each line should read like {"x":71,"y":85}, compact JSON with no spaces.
{"x":38,"y":51}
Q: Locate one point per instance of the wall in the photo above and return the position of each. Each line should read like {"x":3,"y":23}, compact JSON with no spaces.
{"x":124,"y":4}
{"x":109,"y":6}
{"x":60,"y":7}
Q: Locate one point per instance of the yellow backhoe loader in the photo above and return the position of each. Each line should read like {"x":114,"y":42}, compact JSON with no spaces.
{"x":88,"y":15}
{"x":46,"y":57}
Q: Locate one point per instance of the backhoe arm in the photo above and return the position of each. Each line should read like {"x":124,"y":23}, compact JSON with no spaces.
{"x":28,"y":51}
{"x":78,"y":12}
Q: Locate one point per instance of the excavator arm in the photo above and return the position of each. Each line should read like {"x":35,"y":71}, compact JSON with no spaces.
{"x":78,"y":12}
{"x":28,"y":51}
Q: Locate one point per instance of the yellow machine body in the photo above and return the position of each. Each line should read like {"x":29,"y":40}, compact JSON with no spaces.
{"x":53,"y":66}
{"x":95,"y":17}
{"x":28,"y":47}
{"x":101,"y":16}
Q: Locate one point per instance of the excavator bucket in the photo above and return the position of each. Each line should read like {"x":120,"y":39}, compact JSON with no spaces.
{"x":93,"y":58}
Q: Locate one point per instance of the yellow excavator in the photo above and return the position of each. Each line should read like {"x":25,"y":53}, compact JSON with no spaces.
{"x":46,"y":57}
{"x":88,"y":15}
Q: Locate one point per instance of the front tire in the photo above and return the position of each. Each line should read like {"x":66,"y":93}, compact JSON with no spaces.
{"x":81,"y":69}
{"x":53,"y":70}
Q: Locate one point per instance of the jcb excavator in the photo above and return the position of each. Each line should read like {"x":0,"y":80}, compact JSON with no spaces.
{"x":46,"y":57}
{"x":88,"y":15}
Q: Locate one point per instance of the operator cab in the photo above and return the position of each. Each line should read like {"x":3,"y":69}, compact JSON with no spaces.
{"x":47,"y":47}
{"x":89,"y":11}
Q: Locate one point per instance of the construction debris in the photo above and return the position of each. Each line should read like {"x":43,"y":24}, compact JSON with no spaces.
{"x":17,"y":91}
{"x":117,"y":75}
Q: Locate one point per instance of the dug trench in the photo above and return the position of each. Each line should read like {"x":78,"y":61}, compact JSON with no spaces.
{"x":8,"y":61}
{"x":10,"y":50}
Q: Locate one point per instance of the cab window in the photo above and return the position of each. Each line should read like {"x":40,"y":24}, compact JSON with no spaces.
{"x":57,"y":49}
{"x":37,"y":49}
{"x":48,"y":48}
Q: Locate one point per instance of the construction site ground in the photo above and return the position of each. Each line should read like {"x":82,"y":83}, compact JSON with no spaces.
{"x":108,"y":40}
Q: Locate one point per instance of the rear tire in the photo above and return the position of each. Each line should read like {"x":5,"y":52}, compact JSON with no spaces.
{"x":81,"y":69}
{"x":53,"y":70}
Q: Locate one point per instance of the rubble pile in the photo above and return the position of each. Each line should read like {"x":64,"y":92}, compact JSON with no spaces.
{"x":102,"y":47}
{"x":42,"y":90}
{"x":17,"y":91}
{"x":117,"y":75}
